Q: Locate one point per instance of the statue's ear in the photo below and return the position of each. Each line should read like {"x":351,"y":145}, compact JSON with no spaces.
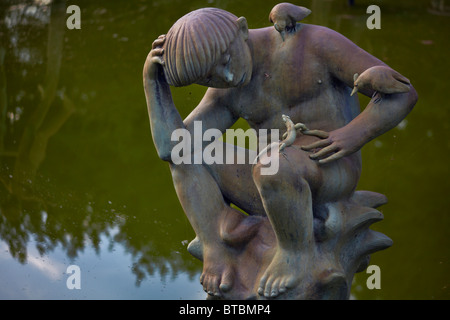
{"x":243,"y":26}
{"x":355,"y":76}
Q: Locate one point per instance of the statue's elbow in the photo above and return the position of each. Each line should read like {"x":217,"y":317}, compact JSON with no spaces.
{"x":163,"y":150}
{"x":165,"y":155}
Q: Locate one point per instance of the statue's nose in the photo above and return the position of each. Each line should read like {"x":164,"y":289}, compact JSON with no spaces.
{"x":228,"y":76}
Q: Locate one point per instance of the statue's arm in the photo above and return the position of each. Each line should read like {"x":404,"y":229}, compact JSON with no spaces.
{"x":213,"y":111}
{"x":164,"y":117}
{"x":344,"y":59}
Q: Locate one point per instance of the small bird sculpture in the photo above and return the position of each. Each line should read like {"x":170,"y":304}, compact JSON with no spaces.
{"x":381,"y":79}
{"x":285,"y":16}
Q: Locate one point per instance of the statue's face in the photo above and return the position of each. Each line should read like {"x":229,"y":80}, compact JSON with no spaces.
{"x":234,"y":69}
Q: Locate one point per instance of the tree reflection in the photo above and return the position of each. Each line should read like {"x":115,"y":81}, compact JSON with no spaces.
{"x":20,"y":164}
{"x":36,"y":104}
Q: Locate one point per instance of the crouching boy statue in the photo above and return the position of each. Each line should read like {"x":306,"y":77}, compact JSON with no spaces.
{"x":306,"y":229}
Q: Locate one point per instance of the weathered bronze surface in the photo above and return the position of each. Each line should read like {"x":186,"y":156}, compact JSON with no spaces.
{"x":306,"y":231}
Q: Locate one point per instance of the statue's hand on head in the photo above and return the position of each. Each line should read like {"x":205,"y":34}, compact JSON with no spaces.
{"x":154,"y":57}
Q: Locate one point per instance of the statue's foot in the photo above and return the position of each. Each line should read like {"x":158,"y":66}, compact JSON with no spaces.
{"x":218,"y":273}
{"x":282,"y":274}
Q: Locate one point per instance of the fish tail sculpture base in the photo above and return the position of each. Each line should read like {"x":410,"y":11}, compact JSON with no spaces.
{"x":342,"y":247}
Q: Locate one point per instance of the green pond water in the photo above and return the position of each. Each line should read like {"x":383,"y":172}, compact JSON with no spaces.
{"x":81,"y":183}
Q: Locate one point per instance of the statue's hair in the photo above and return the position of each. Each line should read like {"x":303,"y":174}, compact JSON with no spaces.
{"x":196,"y":42}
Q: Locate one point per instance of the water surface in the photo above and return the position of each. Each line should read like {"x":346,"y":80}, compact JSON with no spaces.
{"x":81,"y":183}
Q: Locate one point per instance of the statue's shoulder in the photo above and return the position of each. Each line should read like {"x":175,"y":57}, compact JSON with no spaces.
{"x":323,"y":38}
{"x":318,"y":33}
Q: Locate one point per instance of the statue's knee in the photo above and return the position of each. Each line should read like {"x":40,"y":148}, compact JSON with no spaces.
{"x":271,"y":180}
{"x":259,"y":178}
{"x":287,"y":179}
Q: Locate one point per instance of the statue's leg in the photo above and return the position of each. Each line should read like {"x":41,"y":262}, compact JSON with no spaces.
{"x":287,"y":200}
{"x":211,"y":218}
{"x":236,"y":182}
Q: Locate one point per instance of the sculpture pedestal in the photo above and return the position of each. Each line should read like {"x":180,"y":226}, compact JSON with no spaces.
{"x":342,"y":247}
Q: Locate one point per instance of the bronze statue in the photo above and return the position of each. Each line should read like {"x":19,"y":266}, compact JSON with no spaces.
{"x":306,"y":231}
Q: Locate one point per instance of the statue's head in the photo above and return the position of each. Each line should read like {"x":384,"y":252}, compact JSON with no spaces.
{"x":208,"y":47}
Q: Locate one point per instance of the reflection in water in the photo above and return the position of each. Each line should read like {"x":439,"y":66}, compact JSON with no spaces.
{"x":25,"y":156}
{"x":35,"y":107}
{"x":439,"y":7}
{"x":80,"y":181}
